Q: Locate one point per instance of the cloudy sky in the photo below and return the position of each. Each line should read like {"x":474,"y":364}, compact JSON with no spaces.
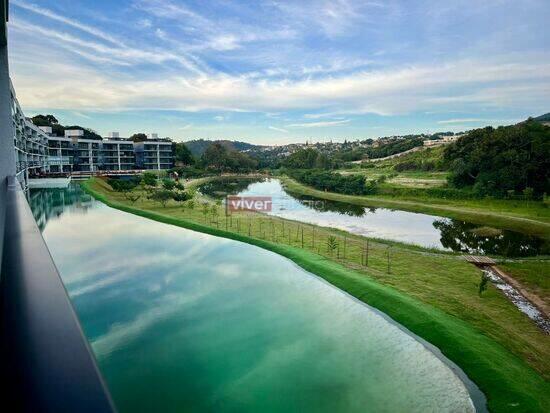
{"x":281,"y":71}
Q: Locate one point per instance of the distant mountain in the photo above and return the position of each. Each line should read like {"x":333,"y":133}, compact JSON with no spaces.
{"x":198,"y":146}
{"x":543,"y":118}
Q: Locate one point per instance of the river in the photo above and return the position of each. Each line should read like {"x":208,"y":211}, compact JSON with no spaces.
{"x":413,"y":228}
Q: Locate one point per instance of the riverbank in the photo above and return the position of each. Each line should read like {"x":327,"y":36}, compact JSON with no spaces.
{"x":522,"y":216}
{"x":434,"y":295}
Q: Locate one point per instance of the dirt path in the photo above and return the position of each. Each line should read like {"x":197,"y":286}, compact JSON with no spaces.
{"x":531,"y":297}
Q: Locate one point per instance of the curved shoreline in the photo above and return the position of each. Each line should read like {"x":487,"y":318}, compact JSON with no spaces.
{"x":514,"y":223}
{"x":505,"y":379}
{"x":477,"y":398}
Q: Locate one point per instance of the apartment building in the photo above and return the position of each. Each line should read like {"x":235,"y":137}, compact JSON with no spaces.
{"x":60,"y":152}
{"x":117,"y":154}
{"x":30,"y":144}
{"x":73,"y":152}
{"x":154,"y":154}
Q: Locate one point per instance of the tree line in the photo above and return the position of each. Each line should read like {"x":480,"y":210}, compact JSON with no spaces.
{"x":504,"y":162}
{"x":333,"y":182}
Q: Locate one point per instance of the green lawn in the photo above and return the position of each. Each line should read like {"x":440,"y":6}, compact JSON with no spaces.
{"x":434,"y":295}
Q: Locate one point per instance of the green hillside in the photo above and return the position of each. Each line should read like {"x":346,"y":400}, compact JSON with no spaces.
{"x":198,"y":146}
{"x":543,"y":118}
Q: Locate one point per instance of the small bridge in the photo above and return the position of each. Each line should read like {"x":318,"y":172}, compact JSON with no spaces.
{"x":479,"y":260}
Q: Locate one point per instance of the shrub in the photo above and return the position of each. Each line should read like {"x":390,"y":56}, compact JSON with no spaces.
{"x":334,"y":182}
{"x":528,"y":193}
{"x":149,"y":179}
{"x":332,"y":244}
{"x":162,"y":196}
{"x":180,"y":196}
{"x":132,"y":197}
{"x":483,"y":284}
{"x":168,"y":184}
{"x":123,"y":185}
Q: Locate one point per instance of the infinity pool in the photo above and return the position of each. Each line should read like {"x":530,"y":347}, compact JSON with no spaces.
{"x":183,"y":321}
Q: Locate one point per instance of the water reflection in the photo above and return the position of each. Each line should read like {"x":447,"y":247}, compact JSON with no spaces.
{"x":465,"y":237}
{"x":49,"y":204}
{"x":421,"y":229}
{"x":183,"y":321}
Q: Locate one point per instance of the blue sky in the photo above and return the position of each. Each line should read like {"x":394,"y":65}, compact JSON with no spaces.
{"x":281,"y":71}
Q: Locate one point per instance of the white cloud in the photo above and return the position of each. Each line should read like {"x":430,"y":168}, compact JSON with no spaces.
{"x":48,"y":57}
{"x":161,"y":34}
{"x":277,"y":129}
{"x":70,"y":22}
{"x":476,"y":120}
{"x":81,"y":115}
{"x":334,"y":18}
{"x":186,"y":127}
{"x":463,"y":120}
{"x":145,"y":23}
{"x":384,"y":92}
{"x":119,"y":55}
{"x":211,"y":34}
{"x":319,"y":124}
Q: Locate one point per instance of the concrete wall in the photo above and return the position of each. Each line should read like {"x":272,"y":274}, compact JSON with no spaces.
{"x":7,"y":152}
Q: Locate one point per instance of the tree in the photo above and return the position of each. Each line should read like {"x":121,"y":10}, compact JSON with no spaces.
{"x":183,"y":154}
{"x":332,"y":244}
{"x":302,"y":159}
{"x":162,"y":196}
{"x":218,"y":158}
{"x":322,"y":161}
{"x":214,"y":211}
{"x":180,"y":196}
{"x":138,"y":137}
{"x":496,"y":161}
{"x":205,"y":210}
{"x":334,"y":182}
{"x":483,"y":284}
{"x":149,"y":179}
{"x":51,"y":121}
{"x":168,"y":184}
{"x":123,"y":185}
{"x":133,"y":198}
{"x":44,"y":120}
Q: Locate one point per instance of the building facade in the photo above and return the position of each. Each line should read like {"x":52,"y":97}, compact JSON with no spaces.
{"x":154,"y":154}
{"x":30,"y":142}
{"x":74,"y":153}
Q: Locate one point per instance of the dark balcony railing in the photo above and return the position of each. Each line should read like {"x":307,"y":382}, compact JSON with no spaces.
{"x":47,"y":364}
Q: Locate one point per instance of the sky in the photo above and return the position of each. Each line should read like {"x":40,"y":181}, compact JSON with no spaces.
{"x":274,"y":72}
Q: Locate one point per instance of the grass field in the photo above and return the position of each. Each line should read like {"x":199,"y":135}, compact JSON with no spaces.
{"x":434,"y":295}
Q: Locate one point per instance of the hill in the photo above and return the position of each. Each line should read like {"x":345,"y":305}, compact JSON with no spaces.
{"x":198,"y":146}
{"x":543,"y":118}
{"x":506,"y":160}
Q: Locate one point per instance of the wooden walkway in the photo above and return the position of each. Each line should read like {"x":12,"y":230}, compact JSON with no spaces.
{"x":479,"y":260}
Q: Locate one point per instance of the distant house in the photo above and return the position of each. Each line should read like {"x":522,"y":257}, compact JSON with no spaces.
{"x":441,"y":140}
